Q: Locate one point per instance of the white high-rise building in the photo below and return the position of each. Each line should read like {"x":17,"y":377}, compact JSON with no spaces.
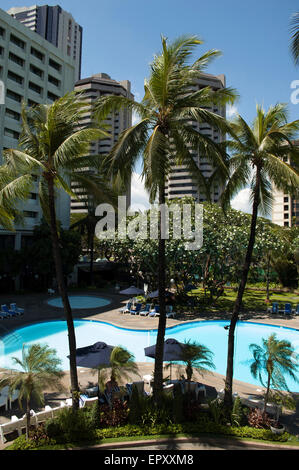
{"x":33,"y":70}
{"x":180,"y":180}
{"x":285,"y":207}
{"x":57,"y":26}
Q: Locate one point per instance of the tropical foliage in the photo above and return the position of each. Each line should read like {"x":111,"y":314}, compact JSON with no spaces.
{"x":164,"y":135}
{"x":271,"y":362}
{"x":259,"y":158}
{"x":37,"y":370}
{"x":52,"y":152}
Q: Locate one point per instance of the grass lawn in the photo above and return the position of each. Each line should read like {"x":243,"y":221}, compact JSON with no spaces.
{"x":253,"y":300}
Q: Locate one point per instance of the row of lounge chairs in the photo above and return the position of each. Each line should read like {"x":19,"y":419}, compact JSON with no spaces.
{"x":147,"y":310}
{"x":11,"y":311}
{"x":287,"y":309}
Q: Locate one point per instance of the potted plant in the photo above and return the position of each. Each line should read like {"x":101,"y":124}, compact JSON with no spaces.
{"x":277,"y":428}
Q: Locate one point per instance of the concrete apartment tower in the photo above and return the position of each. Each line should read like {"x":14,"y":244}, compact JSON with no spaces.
{"x":93,"y":88}
{"x":285,"y":208}
{"x":180,"y":181}
{"x":33,"y":70}
{"x":55,"y":25}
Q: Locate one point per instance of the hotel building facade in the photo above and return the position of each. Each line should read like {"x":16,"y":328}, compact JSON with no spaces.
{"x":56,"y":26}
{"x":92,"y":88}
{"x":33,"y":70}
{"x":180,"y":181}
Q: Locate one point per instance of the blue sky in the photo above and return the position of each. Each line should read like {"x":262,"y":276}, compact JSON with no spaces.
{"x":121,"y":37}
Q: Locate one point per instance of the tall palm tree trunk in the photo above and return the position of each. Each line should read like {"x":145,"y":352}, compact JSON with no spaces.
{"x":228,"y":400}
{"x":27,"y":418}
{"x":267,"y":393}
{"x":63,"y":292}
{"x":91,"y":253}
{"x":158,"y":375}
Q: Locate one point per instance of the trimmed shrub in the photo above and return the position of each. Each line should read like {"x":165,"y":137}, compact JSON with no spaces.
{"x":70,"y":426}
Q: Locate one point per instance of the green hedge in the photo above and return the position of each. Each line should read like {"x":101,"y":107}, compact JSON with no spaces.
{"x":191,"y":428}
{"x":161,"y":430}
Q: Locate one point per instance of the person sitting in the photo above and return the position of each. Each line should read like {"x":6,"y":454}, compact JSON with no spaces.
{"x":111,"y":388}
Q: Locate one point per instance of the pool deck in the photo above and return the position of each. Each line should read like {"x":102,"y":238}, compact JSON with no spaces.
{"x":38,"y":310}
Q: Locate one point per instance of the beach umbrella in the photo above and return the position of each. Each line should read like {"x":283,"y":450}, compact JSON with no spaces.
{"x":132,"y":291}
{"x":172,"y":351}
{"x":94,"y":355}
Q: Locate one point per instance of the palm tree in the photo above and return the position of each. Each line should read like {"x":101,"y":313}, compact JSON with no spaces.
{"x":196,"y":356}
{"x":122,"y":365}
{"x":258,"y":158}
{"x":274,"y":359}
{"x":164,"y":135}
{"x":295,"y":37}
{"x":37,"y":370}
{"x":53,"y":148}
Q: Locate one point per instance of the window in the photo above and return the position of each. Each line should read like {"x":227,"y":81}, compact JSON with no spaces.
{"x":12,"y":114}
{"x":16,"y":78}
{"x":36,"y":71}
{"x":36,"y":88}
{"x":11,"y":133}
{"x":30,"y":214}
{"x":17,"y":41}
{"x":286,"y":216}
{"x":39,"y":55}
{"x":16,"y":59}
{"x":286,"y":199}
{"x":54,"y":65}
{"x":2,"y":32}
{"x":52,"y":97}
{"x":13,"y":96}
{"x":33,"y":196}
{"x":286,"y":224}
{"x":285,"y":208}
{"x":54,"y":81}
{"x":32,"y":103}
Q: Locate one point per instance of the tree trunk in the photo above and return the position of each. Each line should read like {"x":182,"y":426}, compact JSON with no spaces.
{"x":158,"y":374}
{"x":63,"y":292}
{"x":268,"y":277}
{"x":228,"y":400}
{"x":267,"y":393}
{"x":27,"y":418}
{"x":91,"y":252}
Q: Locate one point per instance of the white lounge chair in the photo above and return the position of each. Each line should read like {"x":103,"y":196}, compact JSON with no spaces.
{"x":145,"y":311}
{"x":127,"y":308}
{"x":155,"y":312}
{"x":169,"y":312}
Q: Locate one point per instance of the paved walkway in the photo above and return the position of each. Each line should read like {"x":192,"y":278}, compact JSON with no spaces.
{"x":37,"y":310}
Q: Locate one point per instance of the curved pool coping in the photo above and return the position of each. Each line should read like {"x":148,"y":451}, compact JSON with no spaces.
{"x":145,"y":329}
{"x":155,"y":329}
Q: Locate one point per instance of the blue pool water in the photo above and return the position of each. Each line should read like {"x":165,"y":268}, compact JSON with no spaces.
{"x":210,"y":333}
{"x":80,"y":302}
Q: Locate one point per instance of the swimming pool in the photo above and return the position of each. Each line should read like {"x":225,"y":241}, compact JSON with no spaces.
{"x":210,"y":333}
{"x":81,"y":301}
